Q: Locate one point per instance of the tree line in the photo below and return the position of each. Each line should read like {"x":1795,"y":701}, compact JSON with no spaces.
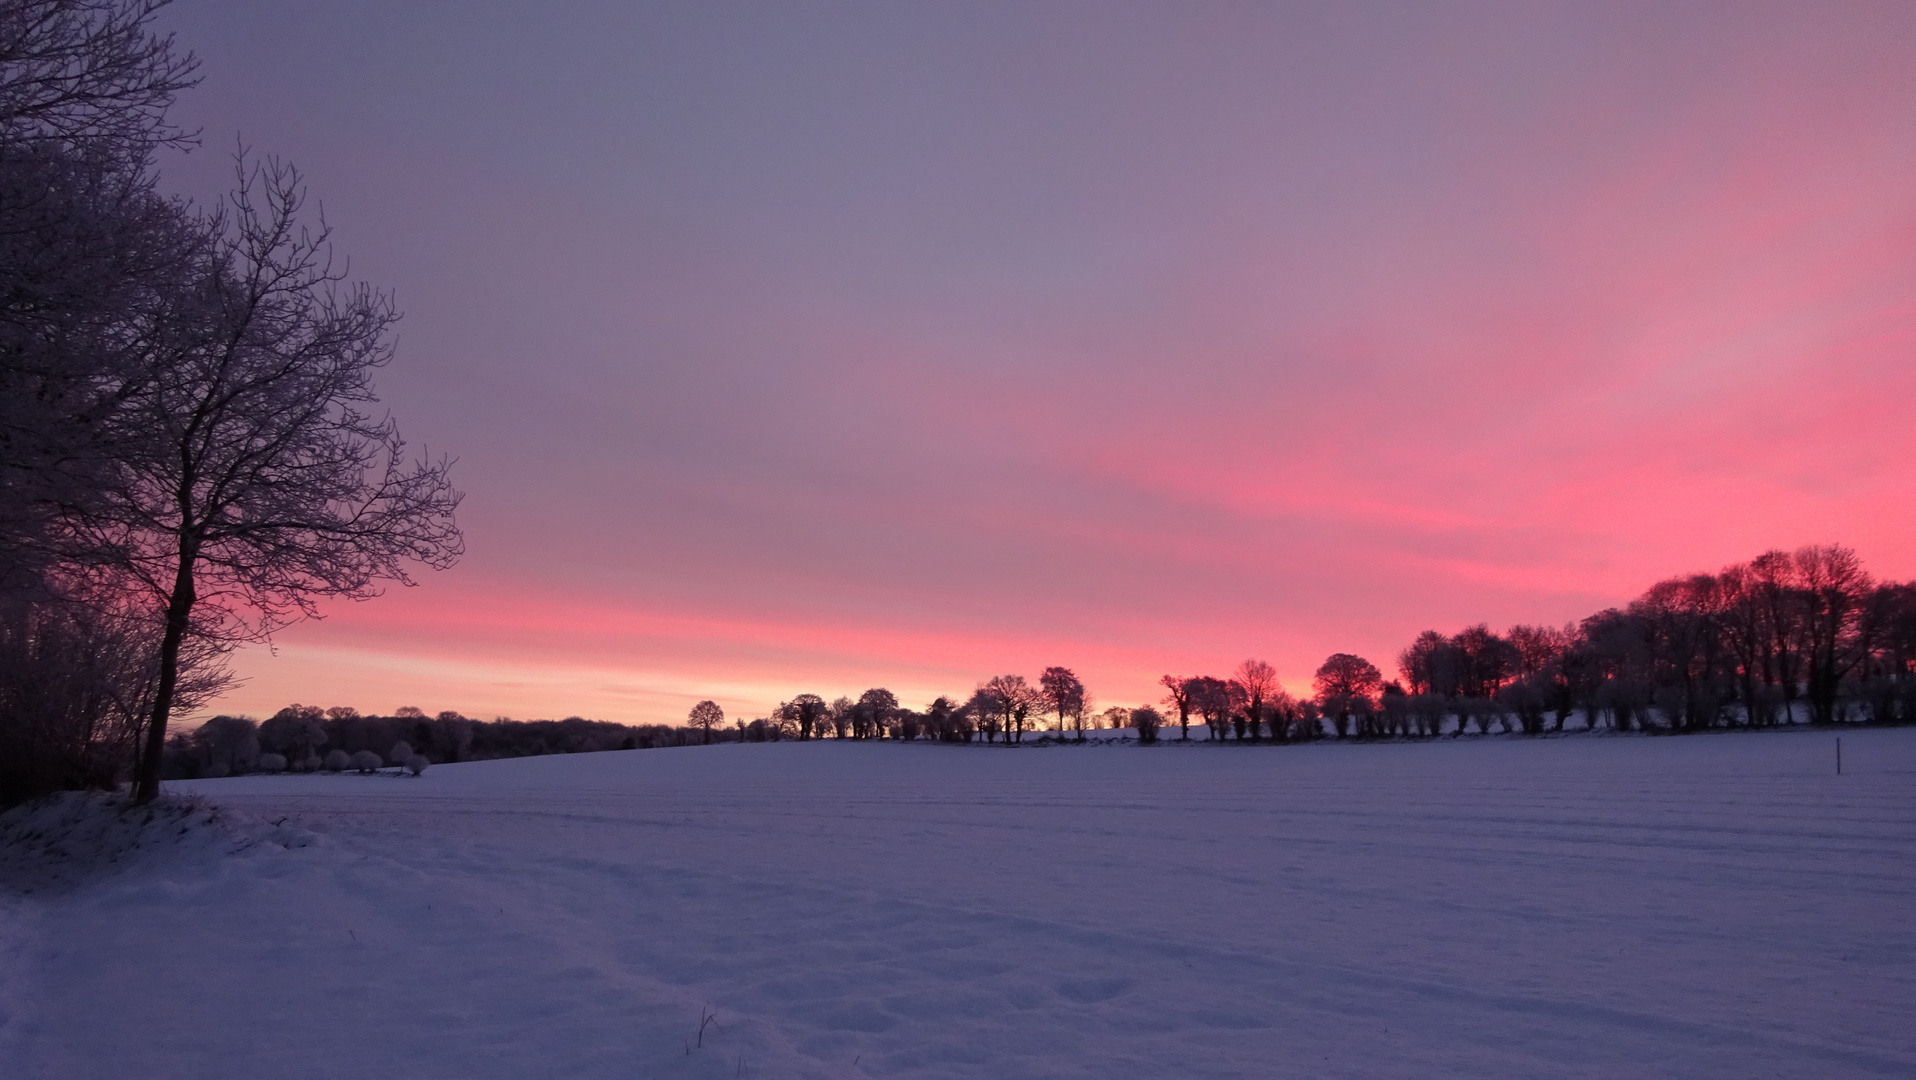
{"x":307,"y":738}
{"x":191,"y":449}
{"x":1803,"y":637}
{"x":1789,"y":637}
{"x":1004,"y":708}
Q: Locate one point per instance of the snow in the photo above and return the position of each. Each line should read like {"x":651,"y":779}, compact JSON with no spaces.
{"x":1705,"y":906}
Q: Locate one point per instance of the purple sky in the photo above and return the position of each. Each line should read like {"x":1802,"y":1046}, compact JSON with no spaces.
{"x":798,"y":348}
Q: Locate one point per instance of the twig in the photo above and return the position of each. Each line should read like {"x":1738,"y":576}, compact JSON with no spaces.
{"x":704,"y":1019}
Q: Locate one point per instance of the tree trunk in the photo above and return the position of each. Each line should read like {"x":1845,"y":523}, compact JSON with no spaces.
{"x":179,"y":609}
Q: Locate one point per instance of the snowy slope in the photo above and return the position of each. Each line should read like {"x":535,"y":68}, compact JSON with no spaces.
{"x":1710,"y":906}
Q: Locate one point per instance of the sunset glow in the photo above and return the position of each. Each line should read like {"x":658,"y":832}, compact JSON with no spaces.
{"x":810,"y":349}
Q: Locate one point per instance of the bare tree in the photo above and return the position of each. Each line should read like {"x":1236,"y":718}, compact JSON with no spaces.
{"x":873,"y":713}
{"x":941,"y":720}
{"x":1394,"y":706}
{"x":1061,"y":692}
{"x":1257,"y":681}
{"x":89,"y":255}
{"x":1429,"y":710}
{"x":1418,"y":662}
{"x":90,"y":72}
{"x":1147,"y":722}
{"x":705,"y":716}
{"x":296,"y":731}
{"x":1016,"y":699}
{"x":805,"y":710}
{"x":75,"y":683}
{"x":452,"y":733}
{"x":987,"y":709}
{"x":1681,"y":621}
{"x":1833,"y":587}
{"x":1178,"y":696}
{"x":86,"y":247}
{"x":839,"y":715}
{"x":907,"y":725}
{"x":254,"y":483}
{"x":1346,"y":684}
{"x":1773,"y":577}
{"x":1211,"y":699}
{"x":1486,"y":660}
{"x":1305,"y":725}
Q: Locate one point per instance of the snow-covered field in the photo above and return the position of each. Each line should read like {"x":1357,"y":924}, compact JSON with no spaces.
{"x":1708,"y":906}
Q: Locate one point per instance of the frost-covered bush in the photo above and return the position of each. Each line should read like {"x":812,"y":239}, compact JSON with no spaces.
{"x":272,"y":763}
{"x":366,"y":761}
{"x":337,"y":761}
{"x":416,"y":764}
{"x":400,"y":754}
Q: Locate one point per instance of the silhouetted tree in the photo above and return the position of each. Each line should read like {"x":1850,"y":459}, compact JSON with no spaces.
{"x":1485,"y":661}
{"x":872,"y":712}
{"x":1429,"y":711}
{"x":298,"y":731}
{"x":839,"y":715}
{"x":1257,"y":682}
{"x":1211,"y":698}
{"x":1305,"y":724}
{"x":1147,"y":722}
{"x":1061,"y":692}
{"x":227,"y":745}
{"x":1016,"y":699}
{"x":1425,"y":665}
{"x":253,"y":483}
{"x":451,"y":736}
{"x":988,"y":709}
{"x":940,"y":720}
{"x":1681,"y":622}
{"x":91,"y":258}
{"x":1345,"y":684}
{"x":1178,"y":696}
{"x":1394,"y":705}
{"x":805,"y":710}
{"x":1832,"y":587}
{"x":907,"y":725}
{"x":1523,"y":699}
{"x":1774,"y":583}
{"x":705,"y":716}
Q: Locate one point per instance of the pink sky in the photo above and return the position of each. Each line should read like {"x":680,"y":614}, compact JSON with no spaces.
{"x":833,"y":346}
